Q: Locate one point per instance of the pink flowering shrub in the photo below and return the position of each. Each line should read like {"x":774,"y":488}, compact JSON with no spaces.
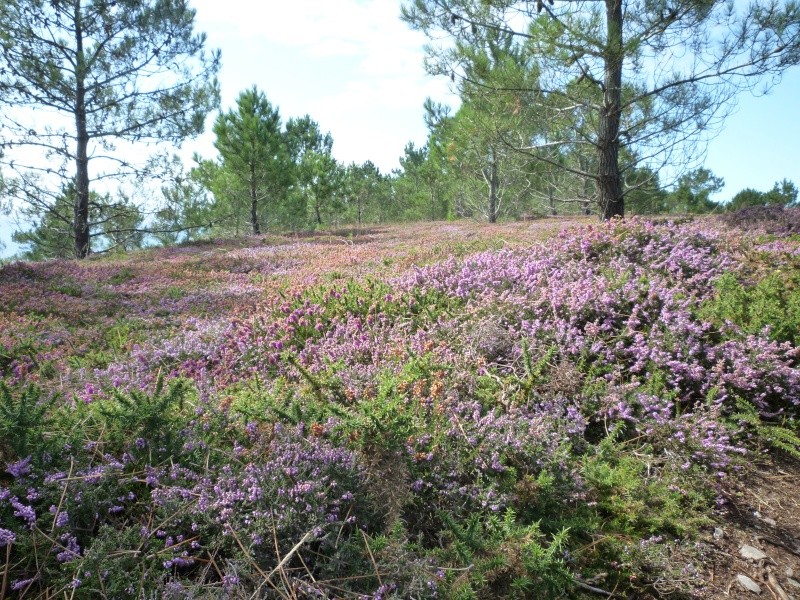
{"x":765,"y":219}
{"x":386,"y":419}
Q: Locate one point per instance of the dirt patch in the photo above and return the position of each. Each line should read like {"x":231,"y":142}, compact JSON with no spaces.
{"x":763,"y":512}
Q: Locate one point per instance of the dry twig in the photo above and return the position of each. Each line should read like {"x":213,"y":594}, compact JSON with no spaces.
{"x":591,"y":588}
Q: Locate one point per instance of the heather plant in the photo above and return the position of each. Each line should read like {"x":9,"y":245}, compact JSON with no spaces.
{"x":767,"y":308}
{"x":505,"y":423}
{"x":17,"y":360}
{"x":83,"y":479}
{"x":144,"y":493}
{"x":770,"y":220}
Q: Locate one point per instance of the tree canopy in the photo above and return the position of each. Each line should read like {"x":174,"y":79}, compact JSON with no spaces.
{"x":253,"y":151}
{"x":79,"y":77}
{"x":783,"y":193}
{"x":624,"y":84}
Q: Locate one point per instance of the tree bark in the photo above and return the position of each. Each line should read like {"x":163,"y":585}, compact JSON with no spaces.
{"x":609,"y":182}
{"x":80,"y":221}
{"x":254,"y":201}
{"x":494,"y":184}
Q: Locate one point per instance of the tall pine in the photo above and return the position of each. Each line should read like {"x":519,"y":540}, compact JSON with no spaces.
{"x":78,"y":77}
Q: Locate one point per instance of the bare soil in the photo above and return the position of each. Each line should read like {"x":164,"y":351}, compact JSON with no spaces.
{"x":763,"y":511}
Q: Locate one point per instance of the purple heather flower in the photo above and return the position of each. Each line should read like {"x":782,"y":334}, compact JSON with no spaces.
{"x":71,"y":549}
{"x":20,"y":468}
{"x":7,"y":537}
{"x":22,"y":584}
{"x":24,"y":512}
{"x":178,"y":561}
{"x":62,"y":519}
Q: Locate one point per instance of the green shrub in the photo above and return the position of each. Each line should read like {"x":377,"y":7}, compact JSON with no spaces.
{"x":773,"y":302}
{"x":22,"y":422}
{"x":494,"y":556}
{"x":783,"y":434}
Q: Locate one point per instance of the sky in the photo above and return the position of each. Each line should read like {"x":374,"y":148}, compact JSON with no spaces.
{"x":352,"y":65}
{"x":357,"y":69}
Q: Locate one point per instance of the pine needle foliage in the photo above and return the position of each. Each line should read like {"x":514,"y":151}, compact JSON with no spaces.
{"x":153,"y":420}
{"x":22,"y":420}
{"x":782,"y":435}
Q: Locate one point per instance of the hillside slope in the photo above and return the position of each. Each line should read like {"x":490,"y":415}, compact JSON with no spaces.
{"x":533,"y":410}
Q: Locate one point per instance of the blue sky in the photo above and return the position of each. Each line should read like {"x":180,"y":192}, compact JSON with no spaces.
{"x":760,"y":142}
{"x":358,"y":71}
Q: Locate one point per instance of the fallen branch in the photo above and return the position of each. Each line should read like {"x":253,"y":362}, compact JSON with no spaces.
{"x":775,"y":586}
{"x":775,"y":542}
{"x":591,"y":588}
{"x":307,"y":537}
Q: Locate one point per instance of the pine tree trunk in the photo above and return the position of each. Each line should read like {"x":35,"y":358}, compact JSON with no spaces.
{"x":587,"y":192}
{"x":80,"y":221}
{"x":254,"y":201}
{"x":494,"y":184}
{"x":609,"y":181}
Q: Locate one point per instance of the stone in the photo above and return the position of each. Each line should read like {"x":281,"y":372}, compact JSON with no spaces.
{"x":767,"y":520}
{"x":718,"y":533}
{"x":751,"y":552}
{"x":748,"y":584}
{"x":793,"y":582}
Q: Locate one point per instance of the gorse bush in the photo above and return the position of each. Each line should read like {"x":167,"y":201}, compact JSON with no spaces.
{"x":512,"y":561}
{"x":22,"y":425}
{"x":506,"y":424}
{"x":771,"y":303}
{"x":153,"y":421}
{"x":782,"y":433}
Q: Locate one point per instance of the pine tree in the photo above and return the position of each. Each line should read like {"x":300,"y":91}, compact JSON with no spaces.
{"x":639,"y":82}
{"x":80,"y":76}
{"x":254,"y":152}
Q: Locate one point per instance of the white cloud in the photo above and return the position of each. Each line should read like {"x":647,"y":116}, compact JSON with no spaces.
{"x":353,"y":65}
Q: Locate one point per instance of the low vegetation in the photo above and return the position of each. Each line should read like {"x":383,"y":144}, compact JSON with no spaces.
{"x":442,"y":410}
